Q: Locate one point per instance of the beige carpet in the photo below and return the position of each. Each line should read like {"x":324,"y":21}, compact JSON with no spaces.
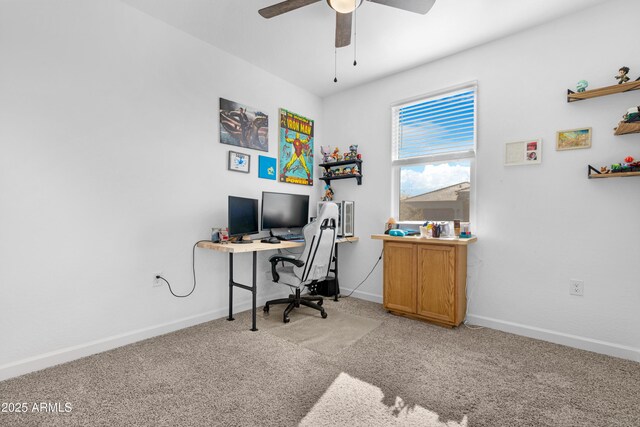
{"x":327,"y":336}
{"x":400,"y":372}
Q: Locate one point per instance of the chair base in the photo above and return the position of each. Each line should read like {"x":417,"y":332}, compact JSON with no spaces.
{"x":295,"y":301}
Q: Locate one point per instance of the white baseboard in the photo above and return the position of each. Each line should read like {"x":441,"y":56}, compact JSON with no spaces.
{"x":69,"y":354}
{"x":362,"y":295}
{"x":597,"y":346}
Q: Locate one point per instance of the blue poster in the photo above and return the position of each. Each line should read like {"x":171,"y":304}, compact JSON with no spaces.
{"x":267,"y":167}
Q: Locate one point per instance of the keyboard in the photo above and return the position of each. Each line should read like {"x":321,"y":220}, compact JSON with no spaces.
{"x":290,"y":236}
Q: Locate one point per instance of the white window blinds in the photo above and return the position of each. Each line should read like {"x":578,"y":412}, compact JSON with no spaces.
{"x":435,"y":128}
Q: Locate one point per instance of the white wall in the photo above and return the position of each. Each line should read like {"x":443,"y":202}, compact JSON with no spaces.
{"x":538,"y":226}
{"x":110,"y":169}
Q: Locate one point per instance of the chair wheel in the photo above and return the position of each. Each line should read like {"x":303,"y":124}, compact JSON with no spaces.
{"x":286,"y":320}
{"x":323,"y":314}
{"x":265,"y":308}
{"x":319,"y":303}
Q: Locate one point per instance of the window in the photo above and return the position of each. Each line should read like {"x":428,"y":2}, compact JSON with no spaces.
{"x":433,"y":148}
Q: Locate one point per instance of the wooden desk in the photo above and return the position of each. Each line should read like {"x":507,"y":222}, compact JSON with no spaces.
{"x":426,"y":278}
{"x":255,"y":247}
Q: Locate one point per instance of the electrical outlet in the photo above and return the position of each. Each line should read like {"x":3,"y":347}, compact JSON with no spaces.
{"x":157,"y":282}
{"x":576,"y":287}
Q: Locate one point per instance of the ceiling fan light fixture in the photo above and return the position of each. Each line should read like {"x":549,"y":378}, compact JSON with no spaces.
{"x":344,"y":6}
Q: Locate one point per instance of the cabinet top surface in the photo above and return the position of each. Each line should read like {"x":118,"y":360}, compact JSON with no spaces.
{"x":430,"y":241}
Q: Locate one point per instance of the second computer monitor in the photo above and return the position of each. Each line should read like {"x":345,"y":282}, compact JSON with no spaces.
{"x":243,"y":218}
{"x":282,"y":210}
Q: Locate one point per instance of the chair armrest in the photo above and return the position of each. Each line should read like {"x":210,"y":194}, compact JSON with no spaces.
{"x":275,"y":259}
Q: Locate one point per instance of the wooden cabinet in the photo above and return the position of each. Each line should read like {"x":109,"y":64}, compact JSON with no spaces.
{"x":426,"y":278}
{"x":399,"y":277}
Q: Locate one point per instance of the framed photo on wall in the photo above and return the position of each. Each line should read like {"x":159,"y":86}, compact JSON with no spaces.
{"x":267,"y":167}
{"x":528,"y":152}
{"x":243,"y":126}
{"x":239,"y":162}
{"x":573,"y":139}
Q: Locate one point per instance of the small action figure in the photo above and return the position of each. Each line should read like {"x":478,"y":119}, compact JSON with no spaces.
{"x":328,"y":193}
{"x":622,"y":75}
{"x":632,"y":115}
{"x":336,"y":155}
{"x":326,"y":153}
{"x":582,"y":85}
{"x":353,"y":152}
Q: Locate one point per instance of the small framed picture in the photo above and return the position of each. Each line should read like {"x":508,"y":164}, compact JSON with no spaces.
{"x":527,"y":152}
{"x":239,"y":162}
{"x":573,"y":139}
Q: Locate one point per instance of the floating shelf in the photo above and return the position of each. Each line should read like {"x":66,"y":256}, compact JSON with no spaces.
{"x":340,"y":163}
{"x":625,"y":128}
{"x":603,"y":91}
{"x":328,"y":166}
{"x":597,"y":174}
{"x":328,"y":179}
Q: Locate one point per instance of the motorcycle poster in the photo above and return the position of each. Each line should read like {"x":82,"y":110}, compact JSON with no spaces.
{"x":243,"y":126}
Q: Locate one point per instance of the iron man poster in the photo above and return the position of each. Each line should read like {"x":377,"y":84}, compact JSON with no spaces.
{"x":295,"y":150}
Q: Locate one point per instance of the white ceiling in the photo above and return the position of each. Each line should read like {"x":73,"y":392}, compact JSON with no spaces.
{"x":298,"y":46}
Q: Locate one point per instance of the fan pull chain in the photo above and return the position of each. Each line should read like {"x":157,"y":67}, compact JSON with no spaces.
{"x":335,"y":65}
{"x":355,"y":32}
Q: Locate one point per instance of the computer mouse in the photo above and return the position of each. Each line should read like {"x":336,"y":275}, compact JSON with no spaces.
{"x":273,"y":240}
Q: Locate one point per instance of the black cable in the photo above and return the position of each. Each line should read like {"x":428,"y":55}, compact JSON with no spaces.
{"x":355,"y":32}
{"x":193,"y":266}
{"x":365,"y":279}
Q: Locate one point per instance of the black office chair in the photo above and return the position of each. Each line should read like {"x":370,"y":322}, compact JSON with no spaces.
{"x":311,"y":266}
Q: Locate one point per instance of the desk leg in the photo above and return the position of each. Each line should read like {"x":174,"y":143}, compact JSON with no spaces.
{"x":230,"y":287}
{"x":254,"y":290}
{"x":336,"y":272}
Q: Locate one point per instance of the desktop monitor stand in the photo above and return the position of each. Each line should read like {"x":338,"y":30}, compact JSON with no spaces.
{"x":241,"y":239}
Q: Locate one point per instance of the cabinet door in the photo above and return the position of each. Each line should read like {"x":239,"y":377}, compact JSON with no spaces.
{"x":400,"y":276}
{"x":436,"y":282}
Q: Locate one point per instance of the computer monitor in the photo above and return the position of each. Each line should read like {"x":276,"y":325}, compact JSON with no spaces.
{"x":243,"y":218}
{"x":282,"y":210}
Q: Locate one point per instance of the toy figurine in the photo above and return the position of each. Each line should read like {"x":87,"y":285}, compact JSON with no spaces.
{"x":355,"y":170}
{"x":622,"y":75}
{"x":632,"y":115}
{"x":347,"y":171}
{"x":336,"y":155}
{"x":604,"y":169}
{"x":582,"y":85}
{"x":328,"y":193}
{"x":326,"y":153}
{"x":616,"y":167}
{"x":353,"y":152}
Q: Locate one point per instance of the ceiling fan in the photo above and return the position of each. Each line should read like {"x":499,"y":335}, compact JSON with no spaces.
{"x":344,"y":11}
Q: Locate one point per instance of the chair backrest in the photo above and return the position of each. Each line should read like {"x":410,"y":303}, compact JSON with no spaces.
{"x":319,"y":241}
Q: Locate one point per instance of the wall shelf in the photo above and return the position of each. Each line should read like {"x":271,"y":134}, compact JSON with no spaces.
{"x":327,"y":167}
{"x":626,"y":128}
{"x":603,"y":91}
{"x":597,"y":174}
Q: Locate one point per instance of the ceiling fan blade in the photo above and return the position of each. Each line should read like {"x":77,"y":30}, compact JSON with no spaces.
{"x":284,"y":7}
{"x":417,"y":6}
{"x":343,"y":29}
